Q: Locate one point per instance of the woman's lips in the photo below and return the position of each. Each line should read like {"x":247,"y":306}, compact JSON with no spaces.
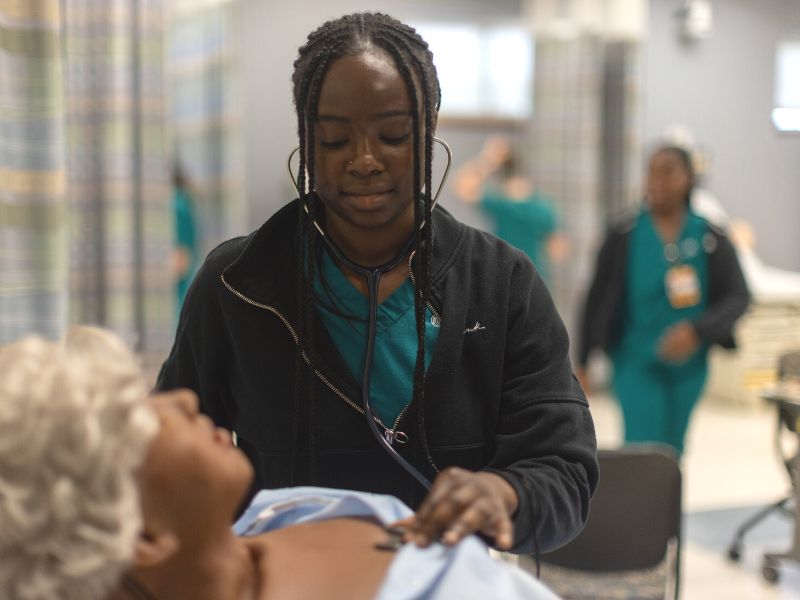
{"x":367,"y":201}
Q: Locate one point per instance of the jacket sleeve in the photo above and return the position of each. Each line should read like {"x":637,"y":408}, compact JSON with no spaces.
{"x":545,"y":439}
{"x":197,"y":357}
{"x":597,"y":308}
{"x":728,"y":294}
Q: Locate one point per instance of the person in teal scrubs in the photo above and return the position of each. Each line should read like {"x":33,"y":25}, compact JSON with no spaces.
{"x":667,"y":286}
{"x":522,"y":216}
{"x":187,"y":247}
{"x":659,"y":351}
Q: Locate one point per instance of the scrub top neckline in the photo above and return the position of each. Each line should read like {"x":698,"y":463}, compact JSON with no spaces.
{"x":347,"y":295}
{"x":681,"y":232}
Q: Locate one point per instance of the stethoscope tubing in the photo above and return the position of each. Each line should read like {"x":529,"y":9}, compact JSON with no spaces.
{"x":373,"y":278}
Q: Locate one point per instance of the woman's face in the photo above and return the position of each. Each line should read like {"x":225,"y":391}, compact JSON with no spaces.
{"x":363,"y":144}
{"x":192,"y":469}
{"x":668,"y":182}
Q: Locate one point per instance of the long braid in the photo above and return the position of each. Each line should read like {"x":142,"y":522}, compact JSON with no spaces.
{"x":304,"y":232}
{"x":423,"y":257}
{"x":306,"y":67}
{"x":388,"y":43}
{"x":299,"y":367}
{"x":351,"y":35}
{"x":311,"y":240}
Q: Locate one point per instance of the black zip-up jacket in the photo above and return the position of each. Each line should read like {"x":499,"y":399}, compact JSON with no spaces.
{"x":603,"y":313}
{"x":499,"y":393}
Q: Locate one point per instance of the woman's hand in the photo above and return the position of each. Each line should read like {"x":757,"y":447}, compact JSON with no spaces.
{"x":679,"y":342}
{"x":462,"y":502}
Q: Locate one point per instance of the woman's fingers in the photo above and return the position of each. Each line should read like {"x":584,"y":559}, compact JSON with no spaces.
{"x":462,"y":502}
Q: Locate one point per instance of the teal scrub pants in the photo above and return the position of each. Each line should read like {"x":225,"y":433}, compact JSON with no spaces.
{"x":657,"y":400}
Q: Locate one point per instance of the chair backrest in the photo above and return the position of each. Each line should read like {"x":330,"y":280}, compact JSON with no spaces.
{"x":789,"y":365}
{"x":634,"y":513}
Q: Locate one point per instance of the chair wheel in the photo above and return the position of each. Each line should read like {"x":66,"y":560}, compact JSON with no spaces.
{"x":734,"y":553}
{"x":770,"y":573}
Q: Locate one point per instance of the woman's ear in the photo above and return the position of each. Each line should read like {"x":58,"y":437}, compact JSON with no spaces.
{"x":155,"y":548}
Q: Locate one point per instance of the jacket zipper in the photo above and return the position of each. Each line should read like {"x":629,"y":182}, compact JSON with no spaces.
{"x":436,"y":319}
{"x":392,"y":435}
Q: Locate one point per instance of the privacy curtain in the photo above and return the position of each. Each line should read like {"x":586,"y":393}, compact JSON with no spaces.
{"x":85,"y":227}
{"x":586,"y":146}
{"x":204,"y":112}
{"x":33,"y":233}
{"x":120,"y":220}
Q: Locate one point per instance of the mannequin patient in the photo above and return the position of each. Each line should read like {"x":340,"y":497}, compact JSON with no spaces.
{"x":108,"y":494}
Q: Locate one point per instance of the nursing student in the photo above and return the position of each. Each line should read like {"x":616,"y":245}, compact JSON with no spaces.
{"x":667,"y":286}
{"x":363,"y":288}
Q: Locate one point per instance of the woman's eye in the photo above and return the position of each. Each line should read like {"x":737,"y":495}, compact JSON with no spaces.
{"x":395,"y":140}
{"x":333,"y":144}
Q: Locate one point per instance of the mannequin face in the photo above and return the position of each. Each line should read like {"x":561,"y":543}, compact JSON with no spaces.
{"x":192,"y":471}
{"x":364,"y":141}
{"x":668,"y":182}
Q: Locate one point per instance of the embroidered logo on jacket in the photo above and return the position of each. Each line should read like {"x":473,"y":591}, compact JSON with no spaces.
{"x":474,"y":328}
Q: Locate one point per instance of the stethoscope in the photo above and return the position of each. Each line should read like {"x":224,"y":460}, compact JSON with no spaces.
{"x":373,"y":278}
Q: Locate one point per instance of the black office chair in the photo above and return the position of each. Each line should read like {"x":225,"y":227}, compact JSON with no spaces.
{"x":630,"y":547}
{"x":788,"y":370}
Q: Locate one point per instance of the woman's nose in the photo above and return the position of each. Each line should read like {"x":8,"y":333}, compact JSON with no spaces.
{"x":364,"y":161}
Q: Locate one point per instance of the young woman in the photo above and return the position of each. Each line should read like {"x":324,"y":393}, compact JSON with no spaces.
{"x":471,"y":383}
{"x":107,"y":496}
{"x":666,"y":287}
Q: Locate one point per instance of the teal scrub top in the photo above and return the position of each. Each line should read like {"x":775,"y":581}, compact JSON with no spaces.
{"x":392,"y":378}
{"x":647,"y":309}
{"x":185,"y":237}
{"x":525,"y":224}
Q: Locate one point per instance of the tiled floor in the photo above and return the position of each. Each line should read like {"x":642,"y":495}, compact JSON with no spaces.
{"x":730,"y":462}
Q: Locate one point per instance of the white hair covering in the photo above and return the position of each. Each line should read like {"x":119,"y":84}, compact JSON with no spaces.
{"x":73,"y":431}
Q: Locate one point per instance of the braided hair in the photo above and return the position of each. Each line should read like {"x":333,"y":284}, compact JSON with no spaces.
{"x":352,"y":35}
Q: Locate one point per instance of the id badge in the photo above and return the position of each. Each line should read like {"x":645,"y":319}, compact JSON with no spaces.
{"x":683,"y":286}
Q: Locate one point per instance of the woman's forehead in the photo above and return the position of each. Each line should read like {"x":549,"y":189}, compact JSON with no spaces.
{"x":368,"y":79}
{"x":666,"y":158}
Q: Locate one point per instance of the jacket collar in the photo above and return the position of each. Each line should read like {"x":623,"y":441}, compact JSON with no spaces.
{"x":264,"y":270}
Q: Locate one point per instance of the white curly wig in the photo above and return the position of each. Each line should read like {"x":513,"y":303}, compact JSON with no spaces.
{"x":73,"y":432}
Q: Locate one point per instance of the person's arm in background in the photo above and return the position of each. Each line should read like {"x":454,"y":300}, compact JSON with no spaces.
{"x":729,"y":296}
{"x":728,"y":299}
{"x":471,"y":178}
{"x":597,"y":309}
{"x":186,"y":234}
{"x":556,"y":241}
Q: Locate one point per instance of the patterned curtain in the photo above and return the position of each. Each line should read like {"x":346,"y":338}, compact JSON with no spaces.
{"x":120,"y":221}
{"x":33,"y":232}
{"x":204,"y":114}
{"x":566,"y":135}
{"x":84,"y":170}
{"x":586,"y":146}
{"x":622,"y":127}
